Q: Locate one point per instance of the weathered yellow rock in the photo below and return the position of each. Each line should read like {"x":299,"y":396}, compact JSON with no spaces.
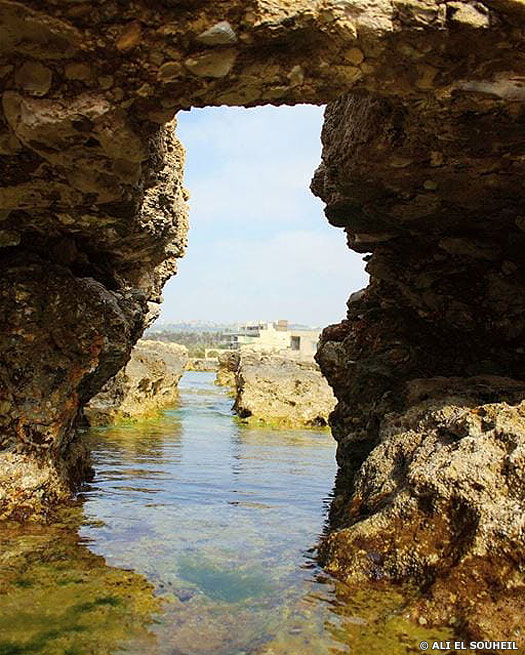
{"x":430,"y":185}
{"x":105,"y":81}
{"x":129,"y":37}
{"x":436,"y":158}
{"x":170,"y":71}
{"x":469,"y":15}
{"x":296,"y":76}
{"x":426,"y":76}
{"x":213,"y":64}
{"x":147,"y":384}
{"x":34,"y":78}
{"x":354,"y":56}
{"x":279,"y":390}
{"x":78,"y":71}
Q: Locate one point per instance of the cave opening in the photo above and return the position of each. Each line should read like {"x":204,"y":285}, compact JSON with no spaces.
{"x":259,"y":246}
{"x":424,"y":158}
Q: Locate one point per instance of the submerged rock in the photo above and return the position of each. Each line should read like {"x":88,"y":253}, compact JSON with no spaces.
{"x":146,"y":384}
{"x":59,"y":597}
{"x":281,"y":391}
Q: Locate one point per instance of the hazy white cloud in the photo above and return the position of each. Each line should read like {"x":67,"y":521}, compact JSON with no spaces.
{"x":252,"y":192}
{"x":260,"y":246}
{"x":299,"y":275}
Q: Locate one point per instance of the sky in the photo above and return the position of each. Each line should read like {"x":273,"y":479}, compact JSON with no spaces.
{"x":260,"y":247}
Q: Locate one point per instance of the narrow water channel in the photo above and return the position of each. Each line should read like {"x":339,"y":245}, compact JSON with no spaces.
{"x":218,"y":516}
{"x":196,"y":536}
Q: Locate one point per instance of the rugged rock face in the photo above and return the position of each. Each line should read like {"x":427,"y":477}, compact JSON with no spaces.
{"x":440,"y":501}
{"x":79,"y":283}
{"x":146,"y":384}
{"x":228,"y":365}
{"x":281,"y":391}
{"x":422,"y":166}
{"x":429,"y":366}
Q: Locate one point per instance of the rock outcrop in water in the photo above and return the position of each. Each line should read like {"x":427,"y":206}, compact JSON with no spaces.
{"x":228,"y":365}
{"x":281,"y":391}
{"x":440,"y":501}
{"x":422,"y":166}
{"x":146,"y":384}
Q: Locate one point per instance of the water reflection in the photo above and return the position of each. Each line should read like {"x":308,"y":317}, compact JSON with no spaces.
{"x":222,"y":522}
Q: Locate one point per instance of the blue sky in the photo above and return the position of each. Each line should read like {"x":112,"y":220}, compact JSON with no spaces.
{"x":259,"y":244}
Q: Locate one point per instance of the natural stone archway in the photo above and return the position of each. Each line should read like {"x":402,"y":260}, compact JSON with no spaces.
{"x":422,"y":165}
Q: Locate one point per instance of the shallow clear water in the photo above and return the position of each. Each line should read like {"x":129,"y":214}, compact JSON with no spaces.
{"x":196,"y":536}
{"x":216,"y":514}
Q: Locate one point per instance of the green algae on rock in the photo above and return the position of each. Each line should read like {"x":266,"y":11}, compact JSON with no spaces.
{"x":374,"y":618}
{"x":57,"y":597}
{"x":147,"y":384}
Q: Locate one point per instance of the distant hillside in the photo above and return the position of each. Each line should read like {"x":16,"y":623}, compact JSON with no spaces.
{"x":195,"y":341}
{"x":208,"y":326}
{"x":190,"y":326}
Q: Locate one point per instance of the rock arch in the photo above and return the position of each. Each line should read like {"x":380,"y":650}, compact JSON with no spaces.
{"x":422,"y":166}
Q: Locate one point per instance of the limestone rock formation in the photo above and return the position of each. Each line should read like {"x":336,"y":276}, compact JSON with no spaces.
{"x":281,"y":391}
{"x":146,"y":384}
{"x":423,"y":166}
{"x":441,"y":501}
{"x":80,"y":280}
{"x":228,"y":365}
{"x":439,"y":497}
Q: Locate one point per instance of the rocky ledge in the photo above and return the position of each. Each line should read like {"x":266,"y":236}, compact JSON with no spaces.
{"x":280,"y":391}
{"x":441,"y":502}
{"x":146,"y":384}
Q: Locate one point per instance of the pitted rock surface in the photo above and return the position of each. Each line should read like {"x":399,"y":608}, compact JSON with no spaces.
{"x":440,"y":501}
{"x":147,"y":384}
{"x":281,"y":391}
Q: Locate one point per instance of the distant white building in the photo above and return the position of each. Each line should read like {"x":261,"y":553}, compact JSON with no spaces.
{"x":273,"y":337}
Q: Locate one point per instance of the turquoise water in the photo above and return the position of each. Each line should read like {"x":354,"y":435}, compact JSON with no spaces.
{"x":196,"y":536}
